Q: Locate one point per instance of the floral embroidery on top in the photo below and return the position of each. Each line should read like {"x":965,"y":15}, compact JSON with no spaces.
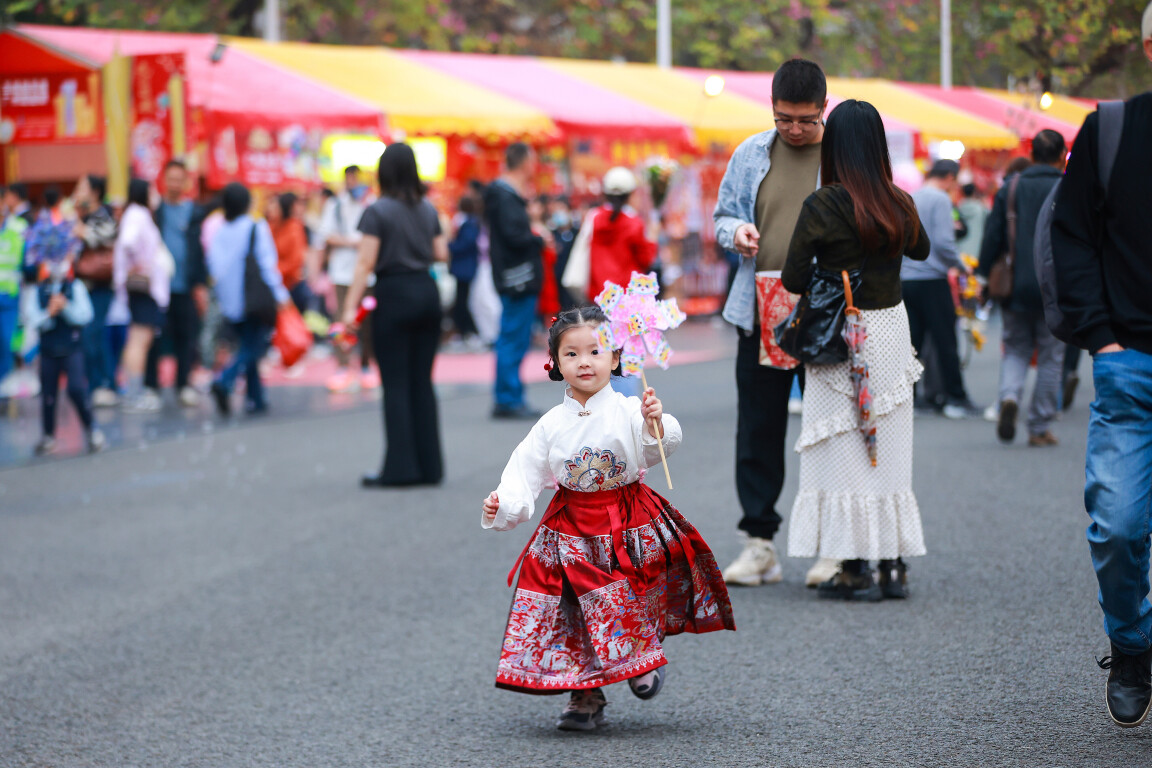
{"x":592,"y":470}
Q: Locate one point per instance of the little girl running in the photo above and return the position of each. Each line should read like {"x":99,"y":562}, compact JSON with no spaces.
{"x":613,"y":567}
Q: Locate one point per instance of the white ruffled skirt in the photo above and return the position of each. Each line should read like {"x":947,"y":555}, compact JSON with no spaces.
{"x":846,"y":508}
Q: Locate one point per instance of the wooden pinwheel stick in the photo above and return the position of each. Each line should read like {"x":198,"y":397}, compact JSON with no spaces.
{"x":658,"y":429}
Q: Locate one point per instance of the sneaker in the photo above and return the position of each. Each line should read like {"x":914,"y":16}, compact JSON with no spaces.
{"x":893,"y":579}
{"x":369,"y":379}
{"x":46,"y":446}
{"x":344,"y":383}
{"x":965,"y":409}
{"x":992,"y":413}
{"x":585,"y":711}
{"x":795,"y":406}
{"x":147,"y":401}
{"x":823,"y":569}
{"x":647,"y":685}
{"x":846,"y":585}
{"x":1042,"y":439}
{"x":103,"y":397}
{"x":1129,"y":689}
{"x":1006,"y":424}
{"x":96,"y":441}
{"x":757,"y":564}
{"x":1070,"y":383}
{"x":189,"y":398}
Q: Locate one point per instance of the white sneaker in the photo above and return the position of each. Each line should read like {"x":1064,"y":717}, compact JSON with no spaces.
{"x":147,"y":401}
{"x":96,"y":441}
{"x":757,"y":564}
{"x":102,"y":397}
{"x":822,"y":570}
{"x":189,"y":398}
{"x":795,"y":406}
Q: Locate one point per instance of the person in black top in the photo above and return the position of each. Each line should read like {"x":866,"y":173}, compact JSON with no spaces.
{"x":518,"y":272}
{"x":1102,"y":258}
{"x":1024,"y":329}
{"x":401,"y":238}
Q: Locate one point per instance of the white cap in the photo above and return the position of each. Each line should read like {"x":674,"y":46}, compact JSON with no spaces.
{"x":1146,"y":23}
{"x":619,"y":181}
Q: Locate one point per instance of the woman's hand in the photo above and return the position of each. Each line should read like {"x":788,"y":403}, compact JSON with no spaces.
{"x":652,"y":411}
{"x":491,"y":507}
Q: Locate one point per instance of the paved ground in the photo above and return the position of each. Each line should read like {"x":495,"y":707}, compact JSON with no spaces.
{"x":229,"y":597}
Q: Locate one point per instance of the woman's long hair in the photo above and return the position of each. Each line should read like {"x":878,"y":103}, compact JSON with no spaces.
{"x":854,"y":154}
{"x":398,"y":176}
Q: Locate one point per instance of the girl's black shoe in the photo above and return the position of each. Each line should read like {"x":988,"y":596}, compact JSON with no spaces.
{"x":893,"y":579}
{"x":852,"y":582}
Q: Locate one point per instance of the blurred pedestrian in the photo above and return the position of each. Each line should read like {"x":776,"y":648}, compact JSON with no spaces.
{"x":239,"y":236}
{"x":464,"y":251}
{"x":141,"y":276}
{"x":974,"y":213}
{"x":1100,"y":253}
{"x":517,"y":271}
{"x":565,"y":227}
{"x":13,"y":228}
{"x":849,"y":507}
{"x":179,"y":220}
{"x":291,"y":245}
{"x":401,"y":237}
{"x":59,"y":308}
{"x":618,"y":245}
{"x":768,"y":178}
{"x":17,"y":204}
{"x":338,"y":231}
{"x":927,"y":294}
{"x":1024,"y":328}
{"x":548,"y":303}
{"x":97,"y":229}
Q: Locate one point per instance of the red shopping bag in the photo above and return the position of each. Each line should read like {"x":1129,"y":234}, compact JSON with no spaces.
{"x":774,"y":303}
{"x":292,"y":336}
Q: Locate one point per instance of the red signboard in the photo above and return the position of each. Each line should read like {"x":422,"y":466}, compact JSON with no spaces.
{"x":59,"y":109}
{"x":284,"y":156}
{"x":159,"y":125}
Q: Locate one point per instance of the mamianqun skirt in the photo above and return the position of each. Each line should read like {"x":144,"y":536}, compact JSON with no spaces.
{"x":604,"y":578}
{"x":845,"y":508}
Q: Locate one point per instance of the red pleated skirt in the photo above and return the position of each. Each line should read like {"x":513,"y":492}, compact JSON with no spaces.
{"x":606,"y":576}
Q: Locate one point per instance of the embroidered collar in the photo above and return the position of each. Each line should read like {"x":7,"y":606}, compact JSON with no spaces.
{"x":597,"y":401}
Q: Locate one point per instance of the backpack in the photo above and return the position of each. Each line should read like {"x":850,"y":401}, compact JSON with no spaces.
{"x":1111,"y":125}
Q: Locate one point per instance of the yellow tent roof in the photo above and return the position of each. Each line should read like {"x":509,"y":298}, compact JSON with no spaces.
{"x":725,"y":119}
{"x":934,"y":120}
{"x":1064,"y":109}
{"x":416,"y":99}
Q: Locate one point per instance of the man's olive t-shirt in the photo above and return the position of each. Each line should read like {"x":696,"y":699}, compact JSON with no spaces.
{"x":791,"y":178}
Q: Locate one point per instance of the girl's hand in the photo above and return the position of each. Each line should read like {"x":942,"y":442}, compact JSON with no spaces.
{"x":652,"y":411}
{"x":491,"y":507}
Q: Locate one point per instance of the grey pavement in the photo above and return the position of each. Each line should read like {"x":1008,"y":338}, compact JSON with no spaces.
{"x":232,"y":598}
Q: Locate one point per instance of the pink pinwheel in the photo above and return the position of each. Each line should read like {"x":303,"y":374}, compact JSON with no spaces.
{"x":636,"y":324}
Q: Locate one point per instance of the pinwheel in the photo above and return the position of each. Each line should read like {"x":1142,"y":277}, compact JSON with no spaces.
{"x":636,"y":325}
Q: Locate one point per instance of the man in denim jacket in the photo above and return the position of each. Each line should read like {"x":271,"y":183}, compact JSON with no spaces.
{"x":760,"y":198}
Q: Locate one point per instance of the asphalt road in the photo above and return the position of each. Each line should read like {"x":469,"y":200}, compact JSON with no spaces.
{"x":232,"y":598}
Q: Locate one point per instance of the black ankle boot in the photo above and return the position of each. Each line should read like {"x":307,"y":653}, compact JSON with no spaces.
{"x":893,"y":578}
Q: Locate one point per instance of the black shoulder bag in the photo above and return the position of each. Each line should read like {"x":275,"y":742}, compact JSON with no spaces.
{"x":812,"y":332}
{"x":259,"y":302}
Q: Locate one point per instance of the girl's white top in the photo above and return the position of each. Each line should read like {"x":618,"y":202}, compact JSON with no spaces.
{"x":137,"y":248}
{"x":594,"y":447}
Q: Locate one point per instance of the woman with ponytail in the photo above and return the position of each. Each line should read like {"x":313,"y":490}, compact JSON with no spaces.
{"x":617,"y":245}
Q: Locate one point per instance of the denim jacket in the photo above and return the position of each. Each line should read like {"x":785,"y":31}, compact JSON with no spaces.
{"x":736,"y":205}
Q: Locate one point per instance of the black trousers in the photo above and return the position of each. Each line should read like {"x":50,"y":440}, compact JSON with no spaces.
{"x":461,"y":314}
{"x":182,"y":331}
{"x":761,"y":431}
{"x":931,"y":312}
{"x":405,"y":334}
{"x":50,"y":369}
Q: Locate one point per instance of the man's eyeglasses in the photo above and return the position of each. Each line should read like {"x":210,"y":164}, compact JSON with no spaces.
{"x":785,"y":123}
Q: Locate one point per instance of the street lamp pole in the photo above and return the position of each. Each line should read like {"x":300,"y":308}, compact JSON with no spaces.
{"x":664,"y":34}
{"x":272,"y":21}
{"x":946,"y":44}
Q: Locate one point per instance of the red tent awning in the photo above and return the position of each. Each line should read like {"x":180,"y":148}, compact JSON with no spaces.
{"x":247,"y":89}
{"x":579,"y":108}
